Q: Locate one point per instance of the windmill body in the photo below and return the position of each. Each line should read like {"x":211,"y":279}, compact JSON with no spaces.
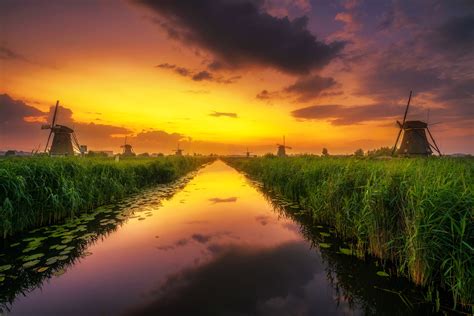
{"x":281,"y":149}
{"x":62,"y":141}
{"x":415,"y":141}
{"x":127,"y":150}
{"x":178,"y":151}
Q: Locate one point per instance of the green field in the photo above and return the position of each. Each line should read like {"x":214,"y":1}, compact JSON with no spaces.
{"x":417,"y":214}
{"x":39,"y":191}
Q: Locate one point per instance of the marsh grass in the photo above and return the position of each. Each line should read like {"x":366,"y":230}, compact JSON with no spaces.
{"x":416,"y":213}
{"x":40,"y":191}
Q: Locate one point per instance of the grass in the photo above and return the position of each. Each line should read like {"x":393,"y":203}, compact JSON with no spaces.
{"x":416,"y":213}
{"x":39,"y":191}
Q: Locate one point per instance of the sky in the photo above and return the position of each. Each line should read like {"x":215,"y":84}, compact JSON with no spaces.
{"x":218,"y":76}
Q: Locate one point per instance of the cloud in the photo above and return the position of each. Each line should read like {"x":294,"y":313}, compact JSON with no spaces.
{"x":304,"y":89}
{"x":223,"y":200}
{"x":200,"y":75}
{"x":343,"y":115}
{"x":240,"y":33}
{"x":311,"y":87}
{"x":8,"y":54}
{"x":455,"y":36}
{"x":235,"y":269}
{"x":224,"y":114}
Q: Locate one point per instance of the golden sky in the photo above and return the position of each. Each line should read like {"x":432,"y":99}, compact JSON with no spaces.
{"x":219,"y":79}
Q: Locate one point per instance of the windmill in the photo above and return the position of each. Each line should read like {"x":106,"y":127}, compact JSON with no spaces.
{"x":127,"y":149}
{"x":178,"y":151}
{"x":282,"y":149}
{"x":247,"y":153}
{"x":414,"y":141}
{"x":64,"y":139}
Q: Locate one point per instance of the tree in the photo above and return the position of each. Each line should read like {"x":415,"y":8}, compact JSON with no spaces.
{"x":359,"y":152}
{"x":325,"y":152}
{"x":382,"y":151}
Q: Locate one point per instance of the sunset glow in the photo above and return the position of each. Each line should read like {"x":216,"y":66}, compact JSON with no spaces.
{"x":149,"y":71}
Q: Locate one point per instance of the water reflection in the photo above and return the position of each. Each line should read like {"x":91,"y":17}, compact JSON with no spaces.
{"x":288,"y":279}
{"x":216,"y":247}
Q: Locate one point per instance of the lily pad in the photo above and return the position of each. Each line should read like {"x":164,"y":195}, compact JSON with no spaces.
{"x":319,"y":226}
{"x":42,"y":269}
{"x":5,"y":267}
{"x":30,"y":249}
{"x":31,"y":263}
{"x":324,"y":234}
{"x":383,"y":274}
{"x":33,"y":257}
{"x":51,"y":260}
{"x":345,"y":251}
{"x":59,"y":272}
{"x":15,"y":244}
{"x":2,"y":278}
{"x":324,"y":245}
{"x":62,"y":258}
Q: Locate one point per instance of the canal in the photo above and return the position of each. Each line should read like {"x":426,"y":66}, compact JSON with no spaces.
{"x":210,"y":244}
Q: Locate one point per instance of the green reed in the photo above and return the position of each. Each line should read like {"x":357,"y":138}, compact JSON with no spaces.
{"x":38,"y":191}
{"x":416,"y":213}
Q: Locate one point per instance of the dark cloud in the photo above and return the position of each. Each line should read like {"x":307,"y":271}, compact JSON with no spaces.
{"x":223,"y":200}
{"x":16,"y":110}
{"x":263,"y":219}
{"x":304,"y":89}
{"x":202,"y":75}
{"x":455,"y":36}
{"x":311,"y":87}
{"x":343,"y":115}
{"x":224,"y":114}
{"x":243,"y":281}
{"x":8,"y":54}
{"x":241,"y":33}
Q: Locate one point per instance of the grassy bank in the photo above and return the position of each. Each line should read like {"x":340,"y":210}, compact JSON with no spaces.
{"x":39,"y":191}
{"x":417,"y":213}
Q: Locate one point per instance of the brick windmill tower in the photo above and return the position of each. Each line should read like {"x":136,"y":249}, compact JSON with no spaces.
{"x":414,"y":141}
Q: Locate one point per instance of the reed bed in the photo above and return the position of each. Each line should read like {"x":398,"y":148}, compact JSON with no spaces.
{"x":416,"y":213}
{"x":39,"y":191}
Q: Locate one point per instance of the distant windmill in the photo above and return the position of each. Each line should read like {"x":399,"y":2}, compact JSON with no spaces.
{"x":178,"y":151}
{"x":414,"y":140}
{"x":282,"y":149}
{"x":247,"y":153}
{"x":127,"y":149}
{"x":64,"y":139}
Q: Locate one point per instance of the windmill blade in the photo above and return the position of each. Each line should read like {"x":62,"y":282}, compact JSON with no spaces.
{"x":396,"y":142}
{"x":76,"y":142}
{"x":55,"y":113}
{"x":406,"y":109}
{"x":434,"y":142}
{"x":47,"y":142}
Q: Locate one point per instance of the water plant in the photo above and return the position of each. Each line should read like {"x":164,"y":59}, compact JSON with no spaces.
{"x":416,"y":213}
{"x":41,"y":191}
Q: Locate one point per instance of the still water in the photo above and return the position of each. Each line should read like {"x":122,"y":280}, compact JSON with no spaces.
{"x":213,"y":244}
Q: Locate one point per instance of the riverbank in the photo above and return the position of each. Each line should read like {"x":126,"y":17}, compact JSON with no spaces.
{"x":39,"y":191}
{"x":415,"y":213}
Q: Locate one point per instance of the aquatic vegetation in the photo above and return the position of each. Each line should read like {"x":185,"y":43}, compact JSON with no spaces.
{"x":39,"y":191}
{"x":416,"y":213}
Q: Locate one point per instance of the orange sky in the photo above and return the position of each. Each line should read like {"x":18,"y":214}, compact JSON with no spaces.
{"x":100,"y":58}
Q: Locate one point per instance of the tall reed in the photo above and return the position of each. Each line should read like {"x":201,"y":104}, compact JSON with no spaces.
{"x":38,"y":191}
{"x":417,"y":213}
